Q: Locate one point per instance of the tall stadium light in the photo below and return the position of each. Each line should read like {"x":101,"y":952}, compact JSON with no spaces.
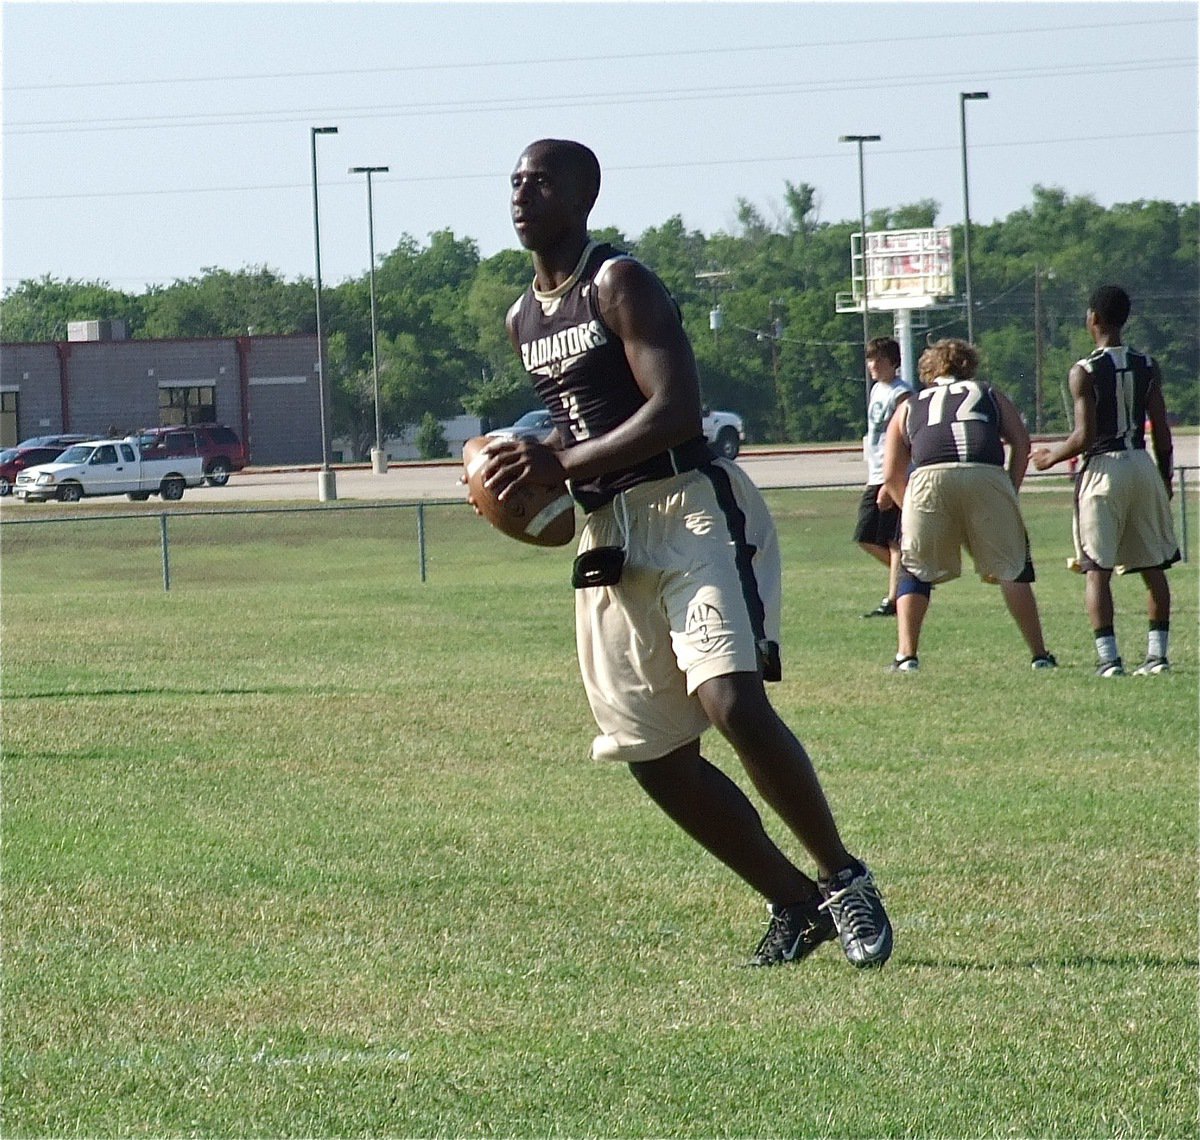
{"x":378,"y":455}
{"x":963,"y":96}
{"x":862,"y":251}
{"x":326,"y":477}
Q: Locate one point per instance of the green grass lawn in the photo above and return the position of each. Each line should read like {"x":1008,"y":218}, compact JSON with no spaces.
{"x":307,"y":847}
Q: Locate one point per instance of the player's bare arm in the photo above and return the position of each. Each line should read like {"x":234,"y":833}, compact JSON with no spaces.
{"x":1083,"y":435}
{"x":896,"y":456}
{"x":634,"y":304}
{"x":1160,"y":432}
{"x":1016,"y":435}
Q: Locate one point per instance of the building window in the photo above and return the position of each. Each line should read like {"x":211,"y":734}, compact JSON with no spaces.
{"x":181,"y":406}
{"x":8,"y":419}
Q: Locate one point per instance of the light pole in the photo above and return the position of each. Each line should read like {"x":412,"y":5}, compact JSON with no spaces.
{"x":326,"y":477}
{"x":963,"y":96}
{"x":862,"y":248}
{"x":378,"y":455}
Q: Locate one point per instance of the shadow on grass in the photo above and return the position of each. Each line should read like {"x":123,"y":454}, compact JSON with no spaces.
{"x":159,"y":691}
{"x":1066,"y":962}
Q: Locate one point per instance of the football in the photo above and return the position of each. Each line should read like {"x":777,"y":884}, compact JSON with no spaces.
{"x":539,"y":514}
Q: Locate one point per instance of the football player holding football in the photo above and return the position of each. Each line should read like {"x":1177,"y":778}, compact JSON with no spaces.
{"x":678,"y":575}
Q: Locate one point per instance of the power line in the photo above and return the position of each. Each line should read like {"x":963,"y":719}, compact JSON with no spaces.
{"x":558,"y":102}
{"x":856,"y":43}
{"x":493,"y":176}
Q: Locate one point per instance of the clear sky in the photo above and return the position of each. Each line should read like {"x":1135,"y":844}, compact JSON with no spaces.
{"x":144,"y":142}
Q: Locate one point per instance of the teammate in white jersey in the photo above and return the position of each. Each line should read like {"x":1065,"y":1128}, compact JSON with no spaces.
{"x":877,"y":531}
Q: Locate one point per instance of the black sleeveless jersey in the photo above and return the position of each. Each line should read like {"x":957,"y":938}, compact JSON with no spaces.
{"x":1121,"y":379}
{"x":955,"y":421}
{"x":578,"y":367}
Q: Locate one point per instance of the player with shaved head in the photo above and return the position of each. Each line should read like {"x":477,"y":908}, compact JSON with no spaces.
{"x":678,"y":574}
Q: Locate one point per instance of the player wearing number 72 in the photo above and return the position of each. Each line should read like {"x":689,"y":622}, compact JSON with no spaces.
{"x":944,"y":461}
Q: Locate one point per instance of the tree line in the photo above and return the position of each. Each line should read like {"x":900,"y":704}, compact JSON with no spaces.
{"x":781,"y":356}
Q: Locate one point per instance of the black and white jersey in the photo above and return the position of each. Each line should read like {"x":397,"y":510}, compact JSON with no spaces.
{"x":954,"y":421}
{"x":579,"y":369}
{"x":1121,"y":380}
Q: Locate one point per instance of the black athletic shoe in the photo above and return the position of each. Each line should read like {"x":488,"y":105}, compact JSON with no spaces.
{"x":1044,"y":661}
{"x":793,"y":933}
{"x":854,"y":903}
{"x":886,"y":608}
{"x":1152,"y":666}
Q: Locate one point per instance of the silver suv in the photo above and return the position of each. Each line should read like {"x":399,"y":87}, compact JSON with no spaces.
{"x":724,"y":431}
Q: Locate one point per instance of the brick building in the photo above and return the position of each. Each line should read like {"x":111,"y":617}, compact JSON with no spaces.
{"x":264,"y":387}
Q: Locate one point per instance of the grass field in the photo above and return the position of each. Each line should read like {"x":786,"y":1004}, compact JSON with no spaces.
{"x":305,"y":847}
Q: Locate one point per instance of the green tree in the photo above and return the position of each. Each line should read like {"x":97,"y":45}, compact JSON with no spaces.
{"x":41,"y":310}
{"x":223,"y":303}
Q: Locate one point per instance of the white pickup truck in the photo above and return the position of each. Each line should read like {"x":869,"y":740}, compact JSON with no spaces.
{"x":110,"y":467}
{"x":725,"y":431}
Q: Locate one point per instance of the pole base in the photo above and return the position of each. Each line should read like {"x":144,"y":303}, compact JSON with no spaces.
{"x":326,"y":485}
{"x":379,"y":461}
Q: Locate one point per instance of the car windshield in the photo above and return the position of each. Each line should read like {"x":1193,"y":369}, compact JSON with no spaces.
{"x":8,"y":455}
{"x":533,"y":419}
{"x":76,"y":454}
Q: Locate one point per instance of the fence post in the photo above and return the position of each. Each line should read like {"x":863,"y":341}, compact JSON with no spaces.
{"x":1183,"y":510}
{"x":166,"y":552}
{"x":421,"y":537}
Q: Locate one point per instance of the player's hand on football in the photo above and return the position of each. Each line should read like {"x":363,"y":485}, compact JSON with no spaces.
{"x":463,"y":481}
{"x":512,"y":462}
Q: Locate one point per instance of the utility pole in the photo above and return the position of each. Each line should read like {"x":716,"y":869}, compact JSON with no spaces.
{"x":1039,"y":349}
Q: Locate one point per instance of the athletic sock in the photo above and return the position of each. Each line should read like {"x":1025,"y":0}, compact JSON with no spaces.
{"x":1156,"y":641}
{"x":1106,"y":644}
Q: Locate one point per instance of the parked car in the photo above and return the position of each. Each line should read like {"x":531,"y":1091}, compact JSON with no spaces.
{"x":14,"y":460}
{"x":725,"y":431}
{"x":536,"y":423}
{"x":59,"y":441}
{"x":220,"y":448}
{"x":110,"y":467}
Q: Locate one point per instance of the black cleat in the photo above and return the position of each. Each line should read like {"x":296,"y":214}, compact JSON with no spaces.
{"x":886,"y":608}
{"x":793,"y":933}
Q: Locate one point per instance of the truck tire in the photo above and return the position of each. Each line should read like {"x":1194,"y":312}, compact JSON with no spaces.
{"x":70,"y":493}
{"x":4,"y":486}
{"x":218,"y":472}
{"x":171,"y":488}
{"x":728,"y":445}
